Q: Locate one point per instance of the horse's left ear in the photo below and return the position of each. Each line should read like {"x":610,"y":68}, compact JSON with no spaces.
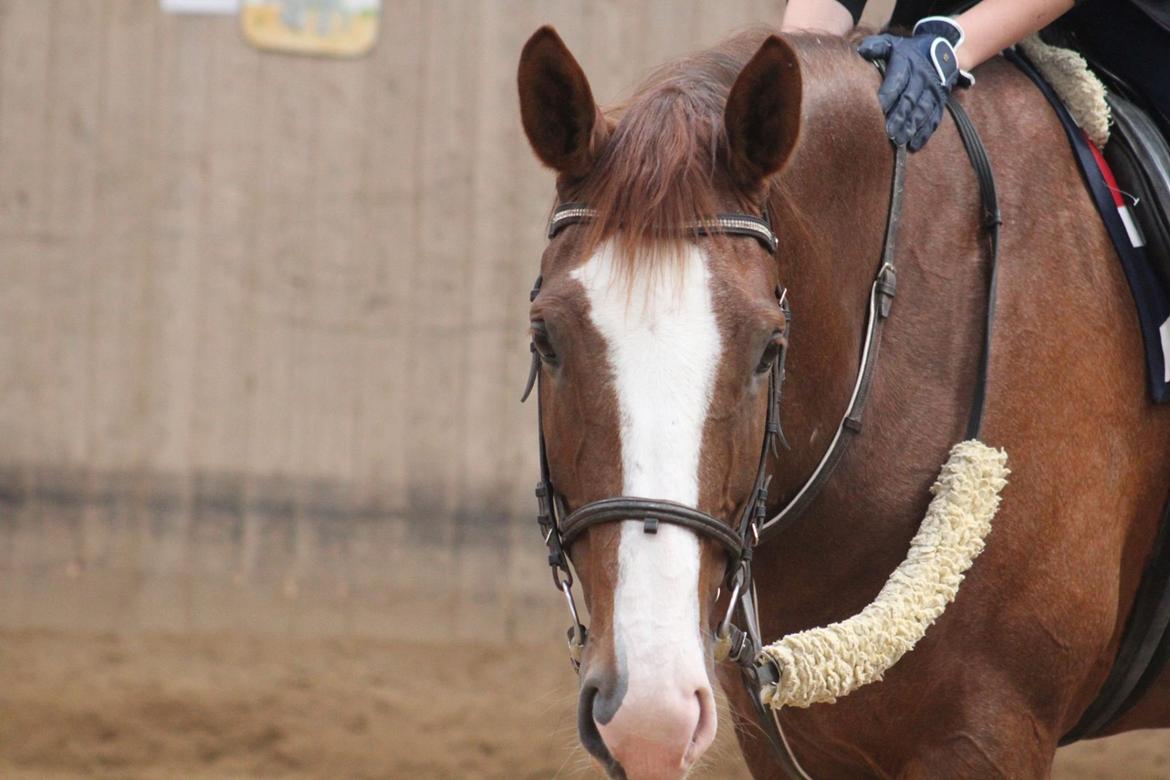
{"x":763,"y":113}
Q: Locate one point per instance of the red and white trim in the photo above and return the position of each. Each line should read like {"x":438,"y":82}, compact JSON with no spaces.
{"x":1132,"y":229}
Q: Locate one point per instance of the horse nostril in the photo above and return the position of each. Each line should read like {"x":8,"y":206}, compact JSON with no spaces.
{"x":607,"y":701}
{"x":587,"y":729}
{"x":705,"y":729}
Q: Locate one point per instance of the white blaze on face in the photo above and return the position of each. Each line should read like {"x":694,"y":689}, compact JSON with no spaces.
{"x":664,"y":349}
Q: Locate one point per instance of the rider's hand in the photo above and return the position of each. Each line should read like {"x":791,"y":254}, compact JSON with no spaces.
{"x":921,"y":71}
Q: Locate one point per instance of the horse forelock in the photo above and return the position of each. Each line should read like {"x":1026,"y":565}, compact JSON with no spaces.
{"x":663,"y":162}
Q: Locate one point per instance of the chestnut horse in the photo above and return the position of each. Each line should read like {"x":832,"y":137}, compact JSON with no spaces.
{"x":655,"y":349}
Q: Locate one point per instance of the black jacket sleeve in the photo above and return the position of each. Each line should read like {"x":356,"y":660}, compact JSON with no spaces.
{"x":854,"y":7}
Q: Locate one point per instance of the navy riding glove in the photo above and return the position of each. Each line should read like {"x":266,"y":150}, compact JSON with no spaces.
{"x":921,"y":71}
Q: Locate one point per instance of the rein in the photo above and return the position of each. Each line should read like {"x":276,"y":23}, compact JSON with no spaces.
{"x":743,"y":645}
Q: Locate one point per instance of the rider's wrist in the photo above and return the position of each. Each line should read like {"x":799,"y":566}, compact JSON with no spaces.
{"x":948,"y":37}
{"x":945,"y":27}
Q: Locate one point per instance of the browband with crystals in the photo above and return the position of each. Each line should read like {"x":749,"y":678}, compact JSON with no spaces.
{"x":733,"y":224}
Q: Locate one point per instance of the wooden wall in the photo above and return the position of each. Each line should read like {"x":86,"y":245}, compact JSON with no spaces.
{"x":262,"y":317}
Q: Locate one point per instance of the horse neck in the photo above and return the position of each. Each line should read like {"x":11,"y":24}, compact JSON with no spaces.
{"x":834,"y":559}
{"x":830,"y":205}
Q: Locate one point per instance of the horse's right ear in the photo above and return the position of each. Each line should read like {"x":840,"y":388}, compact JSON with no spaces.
{"x":560,"y":118}
{"x":762,"y":117}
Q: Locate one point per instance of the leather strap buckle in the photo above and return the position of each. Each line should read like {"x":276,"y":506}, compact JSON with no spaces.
{"x":887,"y":287}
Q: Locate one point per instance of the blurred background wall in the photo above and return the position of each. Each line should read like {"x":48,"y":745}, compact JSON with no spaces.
{"x":262,"y":317}
{"x":262,"y":341}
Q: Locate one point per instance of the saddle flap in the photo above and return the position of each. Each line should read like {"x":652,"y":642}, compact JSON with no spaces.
{"x":1140,"y":159}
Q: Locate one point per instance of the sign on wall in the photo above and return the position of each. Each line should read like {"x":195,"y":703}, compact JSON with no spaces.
{"x":338,"y":28}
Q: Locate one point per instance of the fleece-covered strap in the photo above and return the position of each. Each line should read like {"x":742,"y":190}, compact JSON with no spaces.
{"x":822,"y":664}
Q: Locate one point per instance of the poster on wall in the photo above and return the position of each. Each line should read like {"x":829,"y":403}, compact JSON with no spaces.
{"x":335,"y":28}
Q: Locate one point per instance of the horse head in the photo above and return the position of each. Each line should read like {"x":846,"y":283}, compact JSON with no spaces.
{"x":657,"y":343}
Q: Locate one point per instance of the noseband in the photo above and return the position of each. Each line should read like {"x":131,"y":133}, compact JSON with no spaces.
{"x":560,"y":530}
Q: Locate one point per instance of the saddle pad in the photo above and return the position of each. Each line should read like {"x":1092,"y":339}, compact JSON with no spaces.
{"x":1149,"y":294}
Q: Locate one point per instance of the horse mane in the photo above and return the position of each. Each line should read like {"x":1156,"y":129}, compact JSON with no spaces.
{"x":664,"y":159}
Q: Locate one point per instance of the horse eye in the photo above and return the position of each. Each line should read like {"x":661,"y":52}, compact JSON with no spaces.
{"x":771,"y":352}
{"x":541,"y":342}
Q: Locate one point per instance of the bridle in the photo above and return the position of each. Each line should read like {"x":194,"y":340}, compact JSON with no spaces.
{"x":560,"y":530}
{"x":742,"y":645}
